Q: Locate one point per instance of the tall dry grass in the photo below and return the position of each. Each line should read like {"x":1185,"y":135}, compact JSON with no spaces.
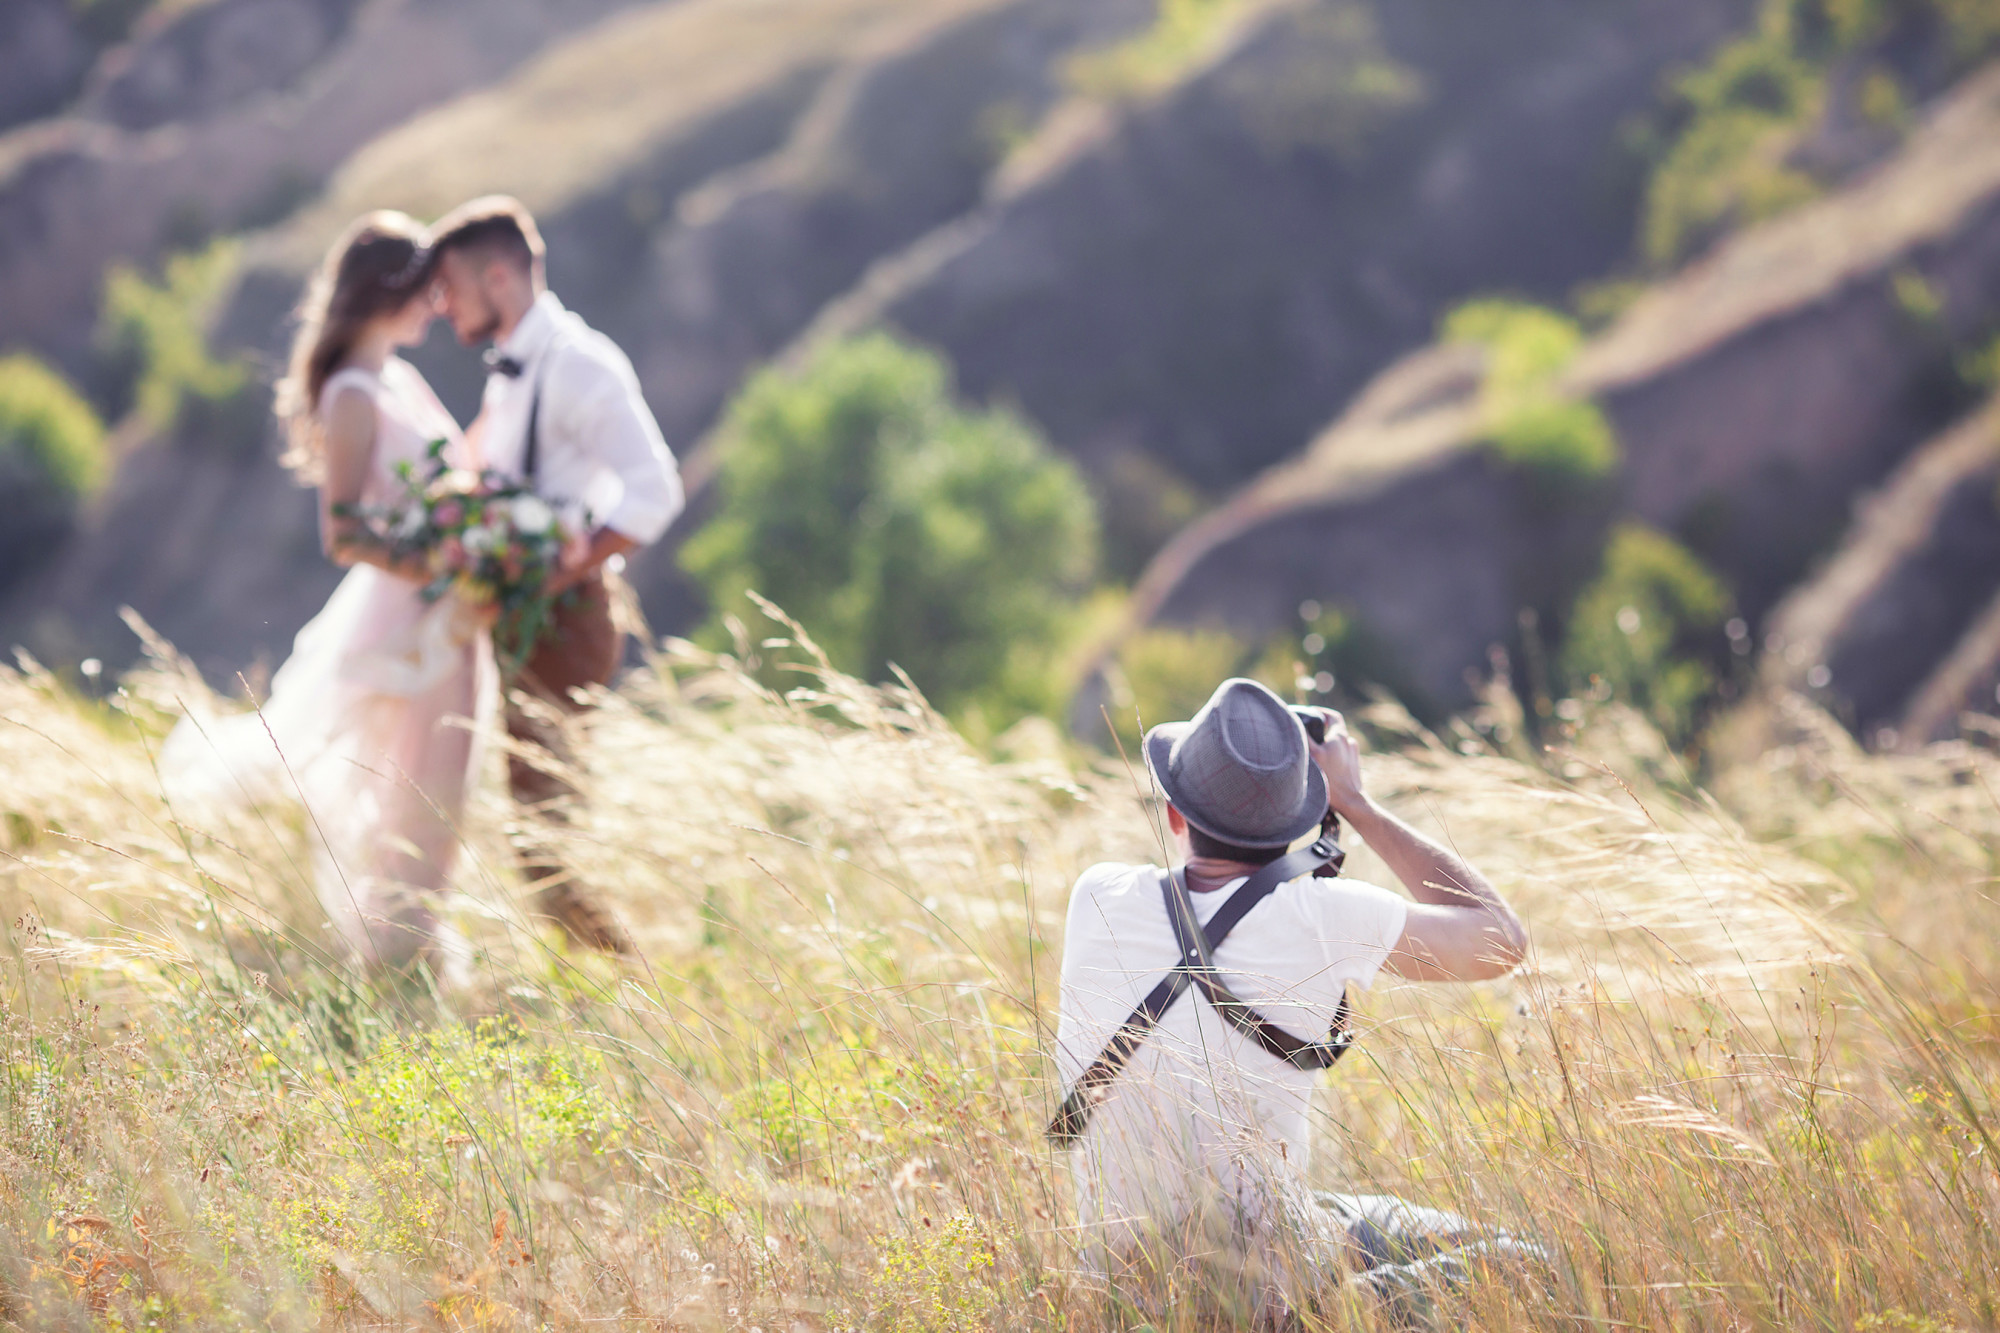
{"x":1746,"y":1080}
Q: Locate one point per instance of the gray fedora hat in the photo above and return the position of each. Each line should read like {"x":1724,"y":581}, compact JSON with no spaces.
{"x":1240,"y":770}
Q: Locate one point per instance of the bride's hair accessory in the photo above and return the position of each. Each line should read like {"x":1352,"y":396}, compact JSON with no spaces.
{"x":412,"y":272}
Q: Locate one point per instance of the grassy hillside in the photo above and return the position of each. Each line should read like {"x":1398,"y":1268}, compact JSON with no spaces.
{"x":1746,"y":1080}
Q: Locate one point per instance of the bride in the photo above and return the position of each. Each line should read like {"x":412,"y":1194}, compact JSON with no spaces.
{"x":376,"y":714}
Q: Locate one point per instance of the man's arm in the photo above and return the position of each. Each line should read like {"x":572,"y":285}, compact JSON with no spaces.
{"x":613,"y":417}
{"x":1459,"y":928}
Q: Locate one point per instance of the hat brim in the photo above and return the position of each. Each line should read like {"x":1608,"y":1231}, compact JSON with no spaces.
{"x":1159,"y":743}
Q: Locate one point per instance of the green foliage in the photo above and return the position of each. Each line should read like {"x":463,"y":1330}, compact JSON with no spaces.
{"x":1738,"y":117}
{"x":1181,"y":34}
{"x":1645,"y":630}
{"x":939,"y":1279}
{"x":1742,"y":113}
{"x":900,"y":528}
{"x":1557,"y":438}
{"x":1336,"y":659}
{"x":1980,"y":367}
{"x":157,"y":334}
{"x":1974,"y":25}
{"x":1530,"y":423}
{"x":48,"y":433}
{"x":481,"y":1086}
{"x":1164,"y":675}
{"x":1331,"y":89}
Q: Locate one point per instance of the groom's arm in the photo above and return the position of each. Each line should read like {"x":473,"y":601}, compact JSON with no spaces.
{"x":612,"y":416}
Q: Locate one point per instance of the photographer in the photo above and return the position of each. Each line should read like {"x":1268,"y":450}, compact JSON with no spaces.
{"x":1198,"y":1005}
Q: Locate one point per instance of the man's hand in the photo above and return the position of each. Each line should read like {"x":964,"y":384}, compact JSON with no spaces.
{"x":1339,"y":758}
{"x":581,"y":559}
{"x":1459,"y":928}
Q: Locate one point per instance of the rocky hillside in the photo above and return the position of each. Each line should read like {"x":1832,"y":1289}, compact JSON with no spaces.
{"x":1177,"y":281}
{"x":1755,"y":396}
{"x":1181,"y":271}
{"x":225,"y":115}
{"x":1902,"y":626}
{"x":708,"y":173}
{"x":1234,"y":258}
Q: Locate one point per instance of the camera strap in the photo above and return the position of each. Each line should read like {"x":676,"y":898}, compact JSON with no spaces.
{"x":1196,"y":968}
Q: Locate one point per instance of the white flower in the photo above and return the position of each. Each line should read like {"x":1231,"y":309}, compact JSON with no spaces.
{"x":408,"y":524}
{"x":479,"y":540}
{"x":532,"y":515}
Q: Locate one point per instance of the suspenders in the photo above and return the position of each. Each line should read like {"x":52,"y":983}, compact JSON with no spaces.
{"x":531,"y":453}
{"x":1196,"y":968}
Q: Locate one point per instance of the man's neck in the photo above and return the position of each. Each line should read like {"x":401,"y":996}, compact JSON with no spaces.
{"x":1205,"y":874}
{"x":510,"y":320}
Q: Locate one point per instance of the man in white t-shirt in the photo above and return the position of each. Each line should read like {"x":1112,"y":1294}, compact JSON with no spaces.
{"x":1198,"y":1139}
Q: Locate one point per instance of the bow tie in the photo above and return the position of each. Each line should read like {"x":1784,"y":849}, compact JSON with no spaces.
{"x":497,"y":364}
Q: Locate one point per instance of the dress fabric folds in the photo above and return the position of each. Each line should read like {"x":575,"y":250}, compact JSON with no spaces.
{"x":373,"y":721}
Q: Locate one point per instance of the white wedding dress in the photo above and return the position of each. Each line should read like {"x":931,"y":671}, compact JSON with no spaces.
{"x":376,"y":717}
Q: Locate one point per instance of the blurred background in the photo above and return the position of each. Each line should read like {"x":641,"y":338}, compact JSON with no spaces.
{"x":1070,"y":355}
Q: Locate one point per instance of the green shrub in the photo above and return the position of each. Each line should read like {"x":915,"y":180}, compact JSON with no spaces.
{"x":1530,"y":423}
{"x":1647,"y":629}
{"x":1180,"y":34}
{"x":1336,"y":660}
{"x":1165,"y":674}
{"x":1737,"y":118}
{"x":156,"y":334}
{"x":901,"y":528}
{"x":49,"y":436}
{"x":1559,"y":438}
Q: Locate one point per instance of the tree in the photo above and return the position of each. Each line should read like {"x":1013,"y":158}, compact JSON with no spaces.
{"x":51,"y":456}
{"x":1648,"y":629}
{"x":899,"y":527}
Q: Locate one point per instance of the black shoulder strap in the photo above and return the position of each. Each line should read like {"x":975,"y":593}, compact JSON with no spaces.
{"x":1309,"y":1055}
{"x":1195,"y":967}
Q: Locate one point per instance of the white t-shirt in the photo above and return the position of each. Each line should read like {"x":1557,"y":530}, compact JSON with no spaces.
{"x":1202,"y":1113}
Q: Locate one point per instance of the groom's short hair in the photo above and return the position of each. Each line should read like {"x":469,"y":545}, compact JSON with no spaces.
{"x":495,"y":225}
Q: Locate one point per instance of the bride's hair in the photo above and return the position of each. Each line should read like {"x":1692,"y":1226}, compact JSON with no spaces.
{"x":378,"y":264}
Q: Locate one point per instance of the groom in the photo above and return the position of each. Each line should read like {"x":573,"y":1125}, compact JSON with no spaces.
{"x":563,"y":413}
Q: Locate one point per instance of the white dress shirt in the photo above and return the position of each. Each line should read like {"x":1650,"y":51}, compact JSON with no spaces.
{"x":600,"y":460}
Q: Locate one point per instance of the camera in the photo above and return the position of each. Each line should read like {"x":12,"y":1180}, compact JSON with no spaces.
{"x":1313,"y":721}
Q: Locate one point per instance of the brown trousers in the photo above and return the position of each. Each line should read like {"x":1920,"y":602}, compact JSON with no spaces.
{"x":581,"y":647}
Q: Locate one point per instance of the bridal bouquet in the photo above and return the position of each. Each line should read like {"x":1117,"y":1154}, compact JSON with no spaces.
{"x":485,"y":539}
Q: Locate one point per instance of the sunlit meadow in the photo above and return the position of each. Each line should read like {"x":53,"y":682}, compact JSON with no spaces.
{"x":1746,"y":1080}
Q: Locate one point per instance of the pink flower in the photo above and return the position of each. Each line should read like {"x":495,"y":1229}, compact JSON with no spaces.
{"x":449,"y":514}
{"x":451,"y":554}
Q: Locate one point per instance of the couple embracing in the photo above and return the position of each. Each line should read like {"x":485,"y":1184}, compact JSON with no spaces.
{"x":375,"y":718}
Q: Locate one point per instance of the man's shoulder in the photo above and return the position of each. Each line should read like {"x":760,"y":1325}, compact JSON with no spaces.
{"x":1113,"y":873}
{"x":582,"y":350}
{"x":1346,"y":910}
{"x":1110,"y":879}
